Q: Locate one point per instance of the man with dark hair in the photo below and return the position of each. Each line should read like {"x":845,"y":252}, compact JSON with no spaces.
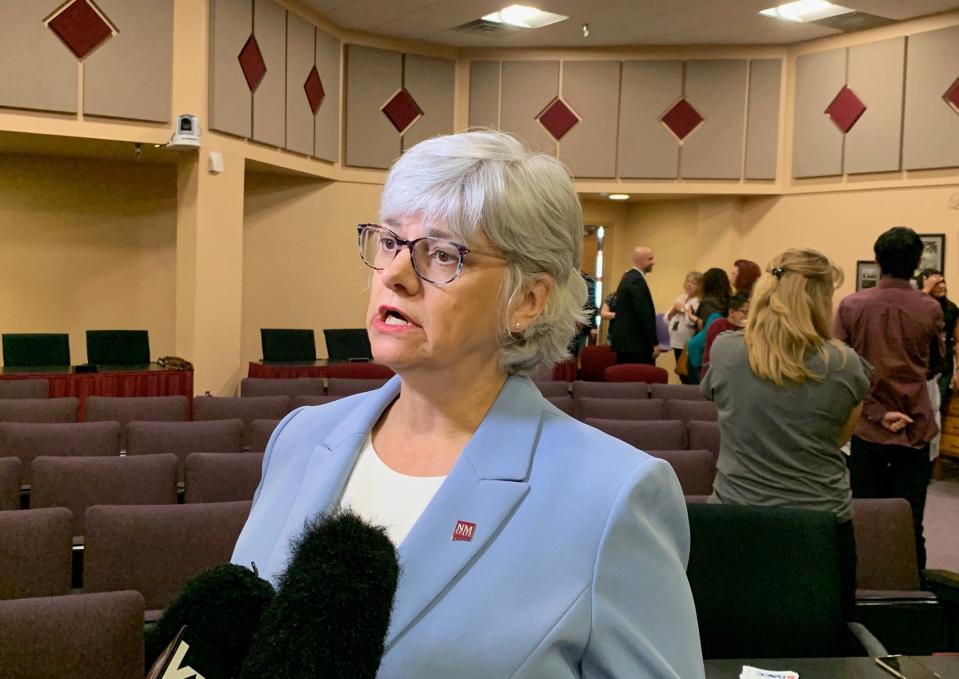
{"x":635,"y":339}
{"x":899,"y":330}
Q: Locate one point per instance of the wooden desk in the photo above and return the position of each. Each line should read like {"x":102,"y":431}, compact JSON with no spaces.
{"x":830,"y":668}
{"x":262,"y":369}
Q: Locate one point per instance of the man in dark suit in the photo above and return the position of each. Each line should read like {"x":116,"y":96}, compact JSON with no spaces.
{"x":635,"y":339}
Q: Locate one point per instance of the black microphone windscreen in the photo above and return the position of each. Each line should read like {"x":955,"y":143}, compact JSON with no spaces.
{"x":222,"y":606}
{"x":333,"y":604}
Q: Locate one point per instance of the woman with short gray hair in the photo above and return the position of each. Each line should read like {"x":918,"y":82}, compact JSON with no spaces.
{"x":530,"y":545}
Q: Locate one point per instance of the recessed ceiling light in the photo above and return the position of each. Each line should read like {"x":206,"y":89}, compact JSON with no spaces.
{"x":522,"y":16}
{"x":618,"y":196}
{"x":806,"y":10}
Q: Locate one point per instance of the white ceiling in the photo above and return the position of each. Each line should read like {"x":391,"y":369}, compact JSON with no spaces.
{"x":611,"y":22}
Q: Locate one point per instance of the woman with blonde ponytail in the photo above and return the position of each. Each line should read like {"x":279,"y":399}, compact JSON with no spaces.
{"x":789,"y":397}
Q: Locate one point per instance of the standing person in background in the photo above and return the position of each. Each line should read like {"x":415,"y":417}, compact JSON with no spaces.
{"x":716,"y":294}
{"x":681,"y":319}
{"x":934,"y":284}
{"x":635,"y":339}
{"x":899,"y":331}
{"x":735,"y":320}
{"x":607,"y":313}
{"x":788,"y":398}
{"x":586,"y":329}
{"x":744,"y":275}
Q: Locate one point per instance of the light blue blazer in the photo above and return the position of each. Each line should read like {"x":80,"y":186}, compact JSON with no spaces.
{"x":576,"y":567}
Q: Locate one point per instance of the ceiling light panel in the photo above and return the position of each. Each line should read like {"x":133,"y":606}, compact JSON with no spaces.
{"x":523,"y":16}
{"x":805,"y":10}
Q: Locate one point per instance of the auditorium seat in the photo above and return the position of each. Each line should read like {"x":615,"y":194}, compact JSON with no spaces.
{"x":564,"y":403}
{"x":157,"y":549}
{"x":258,"y":435}
{"x":694,"y":469}
{"x":126,"y":409}
{"x":703,"y":436}
{"x":636,"y":372}
{"x":183,"y":438}
{"x":81,"y":482}
{"x":81,"y":636}
{"x":297,"y":386}
{"x":360,"y":371}
{"x":347,"y":387}
{"x":11,"y":468}
{"x":552,"y":388}
{"x":662,"y":435}
{"x":300,"y":401}
{"x":610,"y":389}
{"x":28,"y":440}
{"x":620,"y":409}
{"x":699,"y":411}
{"x":222,"y":477}
{"x":244,"y":408}
{"x":28,"y":388}
{"x":39,"y":409}
{"x":677,"y":392}
{"x":593,"y":361}
{"x":35,"y":553}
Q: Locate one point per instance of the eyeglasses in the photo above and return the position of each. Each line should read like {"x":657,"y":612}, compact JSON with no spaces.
{"x":435,"y":260}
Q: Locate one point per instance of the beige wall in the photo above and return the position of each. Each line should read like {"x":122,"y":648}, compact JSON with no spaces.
{"x":301,"y":268}
{"x":87,"y":244}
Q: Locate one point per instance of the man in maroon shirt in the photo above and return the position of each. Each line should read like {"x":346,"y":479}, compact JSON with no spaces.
{"x":899,"y":330}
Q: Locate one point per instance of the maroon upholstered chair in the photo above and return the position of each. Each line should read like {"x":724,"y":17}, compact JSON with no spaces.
{"x":246,"y":408}
{"x":28,"y":440}
{"x":157,"y":549}
{"x":347,"y":387}
{"x":636,"y":372}
{"x":688,"y":411}
{"x":620,"y":409}
{"x":125,"y":409}
{"x":677,"y":392}
{"x":11,"y":469}
{"x":297,"y":386}
{"x":663,"y":435}
{"x":694,"y":469}
{"x":258,"y":434}
{"x":183,"y":438}
{"x":697,"y":499}
{"x":593,"y":361}
{"x":29,"y":388}
{"x":81,"y":482}
{"x":360,"y":371}
{"x":564,"y":403}
{"x":81,"y":636}
{"x":35,"y":554}
{"x":610,"y":389}
{"x":39,"y":409}
{"x":300,"y":401}
{"x":552,"y":388}
{"x":565,"y":371}
{"x":222,"y":477}
{"x":703,"y":436}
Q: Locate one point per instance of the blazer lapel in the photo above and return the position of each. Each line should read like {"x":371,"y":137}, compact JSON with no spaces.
{"x":484,"y":487}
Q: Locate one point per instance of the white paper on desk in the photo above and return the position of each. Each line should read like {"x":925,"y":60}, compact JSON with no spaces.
{"x":756,"y":673}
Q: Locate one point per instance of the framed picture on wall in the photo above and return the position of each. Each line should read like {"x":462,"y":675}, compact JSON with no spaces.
{"x":933,"y":251}
{"x":867,"y":275}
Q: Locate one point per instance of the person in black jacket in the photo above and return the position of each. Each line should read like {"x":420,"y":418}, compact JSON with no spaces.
{"x":635,"y":339}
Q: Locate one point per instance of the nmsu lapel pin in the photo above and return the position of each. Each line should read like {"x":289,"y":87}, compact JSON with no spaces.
{"x":463,"y":531}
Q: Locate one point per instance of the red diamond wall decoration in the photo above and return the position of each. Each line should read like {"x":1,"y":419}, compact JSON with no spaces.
{"x":252,"y":64}
{"x":682,"y":119}
{"x":558,"y":118}
{"x":952,"y":95}
{"x":314,"y":90}
{"x":402,"y":110}
{"x":80,"y":28}
{"x":845,"y":110}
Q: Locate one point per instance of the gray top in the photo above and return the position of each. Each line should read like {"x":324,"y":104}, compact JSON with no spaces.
{"x":779,"y":445}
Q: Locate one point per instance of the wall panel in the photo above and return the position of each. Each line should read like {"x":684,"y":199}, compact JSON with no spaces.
{"x":300,"y":49}
{"x":484,"y":94}
{"x":817,"y":142}
{"x":327,"y":120}
{"x":762,"y":118}
{"x":231,"y":103}
{"x":131,"y":75}
{"x":430,"y":82}
{"x":931,"y":126}
{"x":373,"y":76}
{"x":527,"y":88}
{"x":269,"y":116}
{"x":876,"y":71}
{"x":591,"y":88}
{"x":717,"y":90}
{"x":647,"y":150}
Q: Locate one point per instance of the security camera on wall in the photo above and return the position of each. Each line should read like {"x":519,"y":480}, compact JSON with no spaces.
{"x":186,"y":136}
